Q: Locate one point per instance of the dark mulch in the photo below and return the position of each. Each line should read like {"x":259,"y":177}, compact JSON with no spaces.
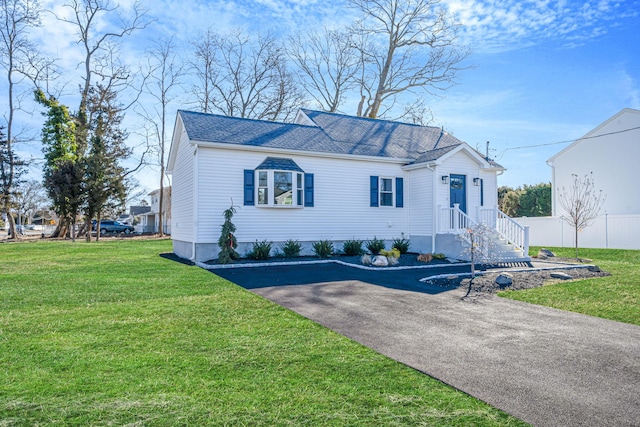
{"x":405,"y":260}
{"x":486,"y":283}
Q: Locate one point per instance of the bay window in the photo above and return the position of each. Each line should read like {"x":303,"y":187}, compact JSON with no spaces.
{"x":278,"y":182}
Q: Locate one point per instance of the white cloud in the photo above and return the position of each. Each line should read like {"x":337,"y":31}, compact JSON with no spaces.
{"x":629,"y":88}
{"x":500,"y":25}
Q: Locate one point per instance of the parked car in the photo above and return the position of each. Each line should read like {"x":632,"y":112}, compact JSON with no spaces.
{"x":109,"y":226}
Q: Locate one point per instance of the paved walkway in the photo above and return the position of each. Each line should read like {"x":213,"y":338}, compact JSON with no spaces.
{"x":545,"y":366}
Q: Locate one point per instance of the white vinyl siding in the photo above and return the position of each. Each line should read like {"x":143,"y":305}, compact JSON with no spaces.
{"x":182,"y":192}
{"x":612,"y":158}
{"x":420,"y":196}
{"x":463,"y":164}
{"x":341,"y":207}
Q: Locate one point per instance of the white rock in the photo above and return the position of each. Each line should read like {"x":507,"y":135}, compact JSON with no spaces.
{"x":380,"y":261}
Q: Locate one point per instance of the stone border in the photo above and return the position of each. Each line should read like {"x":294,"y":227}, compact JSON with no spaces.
{"x":323,"y":261}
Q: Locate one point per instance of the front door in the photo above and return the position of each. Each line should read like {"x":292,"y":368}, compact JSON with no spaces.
{"x":458,"y":191}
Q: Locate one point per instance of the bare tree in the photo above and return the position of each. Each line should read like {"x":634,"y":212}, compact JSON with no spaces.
{"x":203,"y":66}
{"x":165,"y":73}
{"x":582,"y":203}
{"x":239,"y":77}
{"x":479,"y":245}
{"x":328,"y":63}
{"x":98,"y":42}
{"x":405,"y":45}
{"x":16,"y":55}
{"x":31,"y":197}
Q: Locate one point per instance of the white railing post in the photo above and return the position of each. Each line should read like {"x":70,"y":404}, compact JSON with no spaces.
{"x":526,"y":241}
{"x":456,"y":216}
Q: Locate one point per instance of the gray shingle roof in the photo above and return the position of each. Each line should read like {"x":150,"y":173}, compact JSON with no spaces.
{"x":257,"y":133}
{"x":334,"y":133}
{"x":381,"y":138}
{"x":279,"y":163}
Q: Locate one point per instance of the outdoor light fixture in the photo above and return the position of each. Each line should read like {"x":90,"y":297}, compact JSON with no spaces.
{"x":476,"y":182}
{"x":445,"y":179}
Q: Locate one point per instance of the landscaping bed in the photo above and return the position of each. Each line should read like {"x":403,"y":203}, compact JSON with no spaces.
{"x":405,"y":260}
{"x":486,"y":283}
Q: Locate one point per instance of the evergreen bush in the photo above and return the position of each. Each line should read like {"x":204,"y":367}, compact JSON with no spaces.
{"x":352,"y":247}
{"x":323,"y":248}
{"x":375,"y":245}
{"x":401,"y":244}
{"x":260,"y":250}
{"x":227,"y":241}
{"x":291,"y":248}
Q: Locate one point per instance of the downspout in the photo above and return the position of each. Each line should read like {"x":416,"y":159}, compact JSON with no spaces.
{"x":195,"y":204}
{"x":434,"y":206}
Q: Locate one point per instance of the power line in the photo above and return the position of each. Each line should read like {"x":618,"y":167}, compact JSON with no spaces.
{"x":565,"y":142}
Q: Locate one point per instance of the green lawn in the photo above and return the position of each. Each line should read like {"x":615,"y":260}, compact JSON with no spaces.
{"x":110,"y":333}
{"x":616,"y":297}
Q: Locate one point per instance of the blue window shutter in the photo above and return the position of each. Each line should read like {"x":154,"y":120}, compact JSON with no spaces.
{"x":399,"y":192}
{"x":308,"y":190}
{"x":374,"y":191}
{"x":249,"y":190}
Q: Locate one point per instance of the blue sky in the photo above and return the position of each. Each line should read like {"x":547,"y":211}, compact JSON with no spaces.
{"x":540,"y":72}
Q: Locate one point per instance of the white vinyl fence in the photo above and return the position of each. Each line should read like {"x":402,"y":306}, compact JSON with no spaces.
{"x":606,"y":231}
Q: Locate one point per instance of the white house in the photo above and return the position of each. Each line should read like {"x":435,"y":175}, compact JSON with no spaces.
{"x":611,"y":152}
{"x":150,"y":220}
{"x":328,"y":176}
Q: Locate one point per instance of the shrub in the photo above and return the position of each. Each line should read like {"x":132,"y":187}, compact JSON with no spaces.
{"x":393,"y":253}
{"x":291,"y":248}
{"x":353,"y":247}
{"x":439,"y":256}
{"x":323,"y":248}
{"x":425,"y":257}
{"x":401,"y":244}
{"x":260,"y":250}
{"x":375,"y":245}
{"x":227,"y":241}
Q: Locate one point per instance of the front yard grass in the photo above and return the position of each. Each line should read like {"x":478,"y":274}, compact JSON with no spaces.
{"x":616,"y":297}
{"x":110,"y":333}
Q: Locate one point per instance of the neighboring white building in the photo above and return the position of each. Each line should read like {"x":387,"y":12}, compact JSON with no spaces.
{"x":611,"y":151}
{"x":327,"y":176}
{"x":150,"y":221}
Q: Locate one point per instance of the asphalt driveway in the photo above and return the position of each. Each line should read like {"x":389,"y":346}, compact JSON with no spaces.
{"x":545,"y":366}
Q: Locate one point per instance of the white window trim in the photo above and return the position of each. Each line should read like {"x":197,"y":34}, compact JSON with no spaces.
{"x":271,"y":189}
{"x":393,"y":192}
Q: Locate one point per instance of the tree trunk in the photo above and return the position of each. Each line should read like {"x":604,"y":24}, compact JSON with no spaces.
{"x":13,"y":233}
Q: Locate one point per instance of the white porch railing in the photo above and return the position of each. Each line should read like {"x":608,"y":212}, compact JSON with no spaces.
{"x":453,"y":220}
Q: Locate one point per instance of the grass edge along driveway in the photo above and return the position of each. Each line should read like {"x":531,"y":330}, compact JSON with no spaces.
{"x":616,"y":297}
{"x":110,"y":333}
